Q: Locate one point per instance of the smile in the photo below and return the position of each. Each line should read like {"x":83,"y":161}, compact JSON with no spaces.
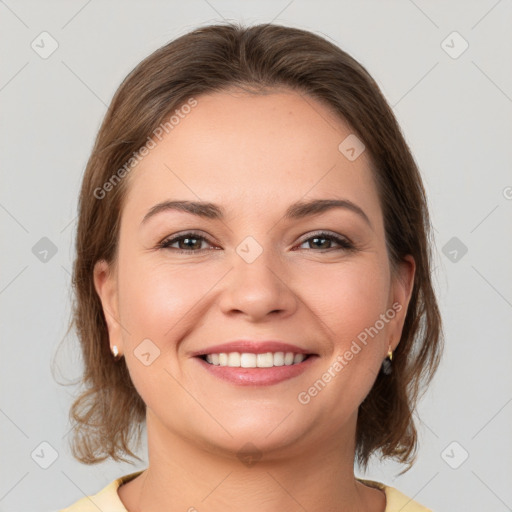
{"x":251,"y":360}
{"x":250,"y":369}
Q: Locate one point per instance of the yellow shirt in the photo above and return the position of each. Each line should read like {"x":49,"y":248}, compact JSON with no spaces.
{"x":107,"y":500}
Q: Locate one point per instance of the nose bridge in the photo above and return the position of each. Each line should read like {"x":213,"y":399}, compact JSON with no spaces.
{"x":257,"y":284}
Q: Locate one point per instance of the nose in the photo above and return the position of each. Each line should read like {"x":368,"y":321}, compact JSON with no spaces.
{"x":258,"y":288}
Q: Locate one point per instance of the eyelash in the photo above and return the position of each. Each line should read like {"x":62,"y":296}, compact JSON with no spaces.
{"x":344,"y":243}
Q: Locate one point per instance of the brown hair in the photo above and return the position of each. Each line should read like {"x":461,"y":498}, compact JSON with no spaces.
{"x":109,"y":411}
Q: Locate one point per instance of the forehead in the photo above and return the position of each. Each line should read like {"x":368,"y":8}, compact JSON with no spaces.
{"x":253,"y":151}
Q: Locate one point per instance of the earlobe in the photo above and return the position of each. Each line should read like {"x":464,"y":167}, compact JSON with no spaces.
{"x":105,"y":284}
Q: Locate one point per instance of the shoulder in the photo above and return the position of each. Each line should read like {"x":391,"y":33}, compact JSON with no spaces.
{"x":396,"y":501}
{"x":106,"y":500}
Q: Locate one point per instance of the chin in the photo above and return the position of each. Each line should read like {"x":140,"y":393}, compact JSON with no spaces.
{"x":251,"y":434}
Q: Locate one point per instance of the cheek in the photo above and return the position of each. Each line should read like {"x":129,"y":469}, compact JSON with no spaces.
{"x":162,"y":304}
{"x":349,"y":299}
{"x":350,"y":303}
{"x":156,"y":301}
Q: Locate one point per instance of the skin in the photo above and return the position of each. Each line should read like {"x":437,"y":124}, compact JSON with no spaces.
{"x":254,"y":155}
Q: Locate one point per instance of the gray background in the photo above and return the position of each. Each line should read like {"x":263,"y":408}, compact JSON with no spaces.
{"x":455,"y":111}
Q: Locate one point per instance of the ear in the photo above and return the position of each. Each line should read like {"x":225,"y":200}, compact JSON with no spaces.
{"x":105,"y":283}
{"x":401,"y":291}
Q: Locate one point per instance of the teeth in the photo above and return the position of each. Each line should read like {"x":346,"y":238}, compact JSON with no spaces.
{"x":233,"y":359}
{"x":288,"y":358}
{"x":298,"y":358}
{"x":250,"y":360}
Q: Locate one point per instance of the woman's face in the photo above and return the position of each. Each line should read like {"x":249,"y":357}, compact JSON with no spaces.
{"x":254,"y":274}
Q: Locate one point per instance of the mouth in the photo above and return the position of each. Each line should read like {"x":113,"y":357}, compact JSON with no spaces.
{"x":255,"y":363}
{"x":251,"y":369}
{"x":253,"y":360}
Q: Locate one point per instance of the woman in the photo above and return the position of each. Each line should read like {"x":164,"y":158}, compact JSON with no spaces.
{"x":252,"y":280}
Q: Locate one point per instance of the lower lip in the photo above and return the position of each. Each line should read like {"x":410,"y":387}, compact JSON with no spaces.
{"x":257,"y":376}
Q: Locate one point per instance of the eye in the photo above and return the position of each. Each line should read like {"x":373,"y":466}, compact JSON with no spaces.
{"x":192,"y":242}
{"x":322,"y":239}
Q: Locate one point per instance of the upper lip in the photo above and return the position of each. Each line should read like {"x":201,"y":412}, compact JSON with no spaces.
{"x":253,"y":347}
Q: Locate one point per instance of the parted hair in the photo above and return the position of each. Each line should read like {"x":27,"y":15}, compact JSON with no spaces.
{"x":107,"y":414}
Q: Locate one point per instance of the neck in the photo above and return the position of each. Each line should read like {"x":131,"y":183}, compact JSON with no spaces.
{"x":184,"y":476}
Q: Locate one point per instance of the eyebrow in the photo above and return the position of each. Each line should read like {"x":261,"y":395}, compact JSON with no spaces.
{"x":298,"y":210}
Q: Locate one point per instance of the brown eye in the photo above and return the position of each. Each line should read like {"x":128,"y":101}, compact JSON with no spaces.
{"x":188,"y":242}
{"x":192,"y":242}
{"x":324,"y":241}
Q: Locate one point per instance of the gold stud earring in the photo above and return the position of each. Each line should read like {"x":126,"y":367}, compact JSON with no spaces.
{"x":115,"y":351}
{"x":386,"y":364}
